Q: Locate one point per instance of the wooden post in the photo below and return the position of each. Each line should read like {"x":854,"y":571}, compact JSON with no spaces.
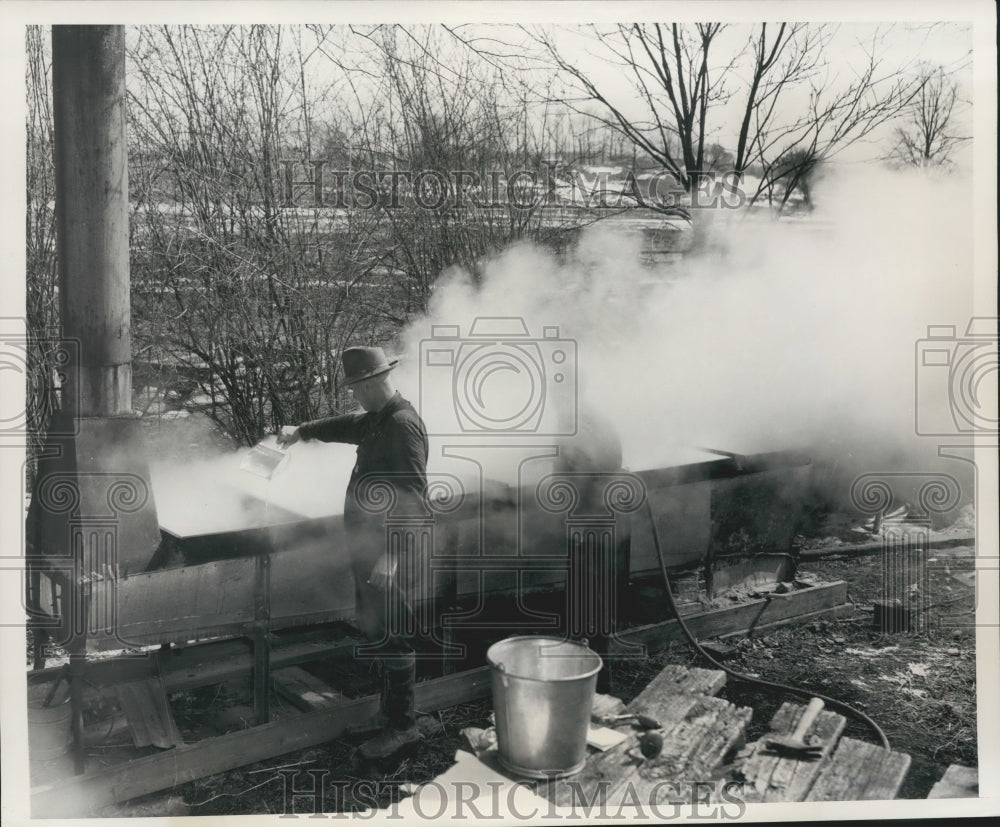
{"x":78,"y":668}
{"x":261,"y":638}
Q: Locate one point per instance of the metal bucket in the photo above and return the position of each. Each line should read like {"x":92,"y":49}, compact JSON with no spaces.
{"x":50,"y":732}
{"x":543,"y":692}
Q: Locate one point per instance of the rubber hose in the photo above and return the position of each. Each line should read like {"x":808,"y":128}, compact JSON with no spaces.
{"x":770,"y":685}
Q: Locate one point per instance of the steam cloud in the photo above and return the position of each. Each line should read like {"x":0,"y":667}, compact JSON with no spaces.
{"x":778,"y":335}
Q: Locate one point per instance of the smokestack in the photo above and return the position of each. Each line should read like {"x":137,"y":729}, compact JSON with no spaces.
{"x":91,"y":171}
{"x":92,"y":509}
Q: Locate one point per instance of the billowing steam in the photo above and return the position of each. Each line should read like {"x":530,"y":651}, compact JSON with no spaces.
{"x":778,"y":335}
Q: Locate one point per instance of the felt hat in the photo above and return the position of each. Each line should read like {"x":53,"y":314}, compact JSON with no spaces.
{"x":365,"y":362}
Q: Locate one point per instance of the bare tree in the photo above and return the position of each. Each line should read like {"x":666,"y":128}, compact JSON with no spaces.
{"x":41,"y":299}
{"x":928,"y":134}
{"x":248,"y":299}
{"x":790,"y":96}
{"x":453,"y":125}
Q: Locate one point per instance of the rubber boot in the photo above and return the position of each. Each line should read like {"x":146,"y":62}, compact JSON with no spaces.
{"x":398,"y":708}
{"x":377,"y":722}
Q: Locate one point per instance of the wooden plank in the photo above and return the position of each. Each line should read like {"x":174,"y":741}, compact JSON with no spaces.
{"x":745,"y":617}
{"x":135,"y":666}
{"x":166,"y":714}
{"x":305,"y":691}
{"x":129,"y":696}
{"x":674,"y":696}
{"x":610,"y":769}
{"x":859,"y":771}
{"x":770,"y":777}
{"x":840,"y":612}
{"x":885,"y":785}
{"x":152,"y":710}
{"x":189,"y":676}
{"x":759,"y":570}
{"x":957,"y":782}
{"x":933,"y":542}
{"x":691,"y":752}
{"x":680,"y":680}
{"x":261,"y":675}
{"x":202,"y":664}
{"x":81,"y":795}
{"x":146,"y":707}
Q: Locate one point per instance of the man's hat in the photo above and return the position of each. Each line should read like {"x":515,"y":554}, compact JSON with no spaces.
{"x":365,"y":362}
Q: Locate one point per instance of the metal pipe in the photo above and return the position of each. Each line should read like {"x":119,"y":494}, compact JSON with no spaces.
{"x":91,"y":175}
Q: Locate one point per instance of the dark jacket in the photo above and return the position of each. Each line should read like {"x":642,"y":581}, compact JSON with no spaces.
{"x":392,"y":448}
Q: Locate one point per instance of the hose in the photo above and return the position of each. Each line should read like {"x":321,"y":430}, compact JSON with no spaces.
{"x":833,"y":703}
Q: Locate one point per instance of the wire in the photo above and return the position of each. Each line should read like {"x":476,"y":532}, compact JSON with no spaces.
{"x":770,"y":685}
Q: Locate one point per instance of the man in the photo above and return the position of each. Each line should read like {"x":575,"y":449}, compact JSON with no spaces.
{"x":392,"y":451}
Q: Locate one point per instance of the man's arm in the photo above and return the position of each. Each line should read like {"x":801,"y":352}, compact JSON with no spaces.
{"x":345,"y":428}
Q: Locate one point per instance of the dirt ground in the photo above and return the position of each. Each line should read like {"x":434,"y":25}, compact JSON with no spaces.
{"x":919,"y":687}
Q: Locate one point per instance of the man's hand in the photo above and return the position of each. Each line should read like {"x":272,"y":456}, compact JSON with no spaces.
{"x":382,"y":572}
{"x":289,"y":436}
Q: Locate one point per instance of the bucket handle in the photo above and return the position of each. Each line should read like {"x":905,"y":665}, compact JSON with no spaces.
{"x":503,"y":674}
